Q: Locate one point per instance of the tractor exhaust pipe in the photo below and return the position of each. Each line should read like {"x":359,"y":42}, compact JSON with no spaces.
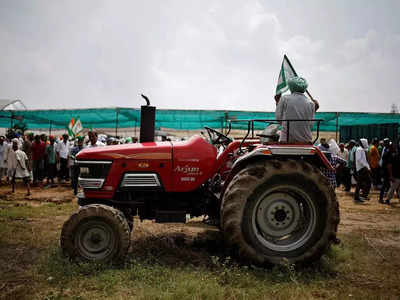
{"x":147,"y":121}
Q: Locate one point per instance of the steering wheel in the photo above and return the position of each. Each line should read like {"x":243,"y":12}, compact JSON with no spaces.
{"x":217,"y":137}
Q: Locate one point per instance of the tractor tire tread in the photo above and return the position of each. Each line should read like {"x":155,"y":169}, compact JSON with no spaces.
{"x":113,"y":215}
{"x":234,"y":202}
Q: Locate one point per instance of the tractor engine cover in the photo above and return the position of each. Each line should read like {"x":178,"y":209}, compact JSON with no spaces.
{"x":170,"y":166}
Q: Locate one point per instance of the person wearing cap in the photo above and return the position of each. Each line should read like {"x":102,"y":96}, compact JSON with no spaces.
{"x":363,"y":172}
{"x":51,"y":159}
{"x":296,"y":106}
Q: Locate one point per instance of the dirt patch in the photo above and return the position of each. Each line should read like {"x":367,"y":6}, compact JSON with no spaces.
{"x":176,"y":244}
{"x":371,"y":215}
{"x":58,"y":195}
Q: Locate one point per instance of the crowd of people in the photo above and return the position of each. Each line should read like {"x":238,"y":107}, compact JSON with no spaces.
{"x":39,"y":160}
{"x":44,"y":161}
{"x":356,"y":163}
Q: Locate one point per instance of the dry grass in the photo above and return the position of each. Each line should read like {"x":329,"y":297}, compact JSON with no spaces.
{"x":188,"y":261}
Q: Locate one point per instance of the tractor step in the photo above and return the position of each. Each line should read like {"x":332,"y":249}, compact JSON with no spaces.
{"x":170,"y":216}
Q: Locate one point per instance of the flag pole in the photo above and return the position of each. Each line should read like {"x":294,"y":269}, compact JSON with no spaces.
{"x":294,"y":72}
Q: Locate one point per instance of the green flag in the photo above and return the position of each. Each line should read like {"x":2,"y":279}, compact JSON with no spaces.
{"x":287,"y":72}
{"x":77,"y":128}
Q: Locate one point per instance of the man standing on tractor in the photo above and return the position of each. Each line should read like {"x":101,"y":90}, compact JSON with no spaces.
{"x":296,"y":106}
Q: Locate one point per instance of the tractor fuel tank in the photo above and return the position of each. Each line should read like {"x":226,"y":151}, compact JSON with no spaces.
{"x":193,"y":163}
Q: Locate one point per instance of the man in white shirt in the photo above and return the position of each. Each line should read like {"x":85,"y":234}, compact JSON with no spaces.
{"x":343,"y":152}
{"x":3,"y":168}
{"x":93,"y":142}
{"x":343,"y":175}
{"x":20,"y":167}
{"x":323,"y":145}
{"x":62,"y":150}
{"x":363,"y":172}
{"x":9,"y":158}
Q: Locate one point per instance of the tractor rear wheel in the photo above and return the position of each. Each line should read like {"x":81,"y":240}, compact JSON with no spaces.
{"x":280,"y":212}
{"x":97,"y":233}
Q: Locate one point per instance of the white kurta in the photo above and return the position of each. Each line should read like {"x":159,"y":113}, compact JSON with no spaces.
{"x":361,"y":159}
{"x":11,"y":161}
{"x":2,"y":155}
{"x":21,"y":170}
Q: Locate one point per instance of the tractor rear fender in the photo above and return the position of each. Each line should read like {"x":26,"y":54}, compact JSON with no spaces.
{"x":307,"y":153}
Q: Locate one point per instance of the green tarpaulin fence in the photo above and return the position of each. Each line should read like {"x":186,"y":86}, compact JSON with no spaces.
{"x":175,"y":119}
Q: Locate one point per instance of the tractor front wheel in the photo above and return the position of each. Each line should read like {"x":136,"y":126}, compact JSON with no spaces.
{"x":280,"y":212}
{"x":97,"y":233}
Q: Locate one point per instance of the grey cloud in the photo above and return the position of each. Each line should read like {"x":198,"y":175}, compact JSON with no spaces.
{"x":197,"y":54}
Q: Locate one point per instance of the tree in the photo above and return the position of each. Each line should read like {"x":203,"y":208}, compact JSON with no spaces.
{"x":394,"y":109}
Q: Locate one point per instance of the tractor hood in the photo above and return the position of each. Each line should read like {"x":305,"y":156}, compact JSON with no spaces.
{"x":150,"y":150}
{"x":179,"y":166}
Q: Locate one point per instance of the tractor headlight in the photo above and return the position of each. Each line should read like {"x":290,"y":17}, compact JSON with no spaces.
{"x":84,"y":171}
{"x":92,"y":174}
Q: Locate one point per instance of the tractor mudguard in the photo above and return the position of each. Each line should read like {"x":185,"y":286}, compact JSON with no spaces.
{"x":265,"y":152}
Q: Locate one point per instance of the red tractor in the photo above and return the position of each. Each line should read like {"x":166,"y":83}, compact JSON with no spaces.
{"x":270,"y":200}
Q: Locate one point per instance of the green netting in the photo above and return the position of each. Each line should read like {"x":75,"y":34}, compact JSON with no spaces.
{"x":176,"y":119}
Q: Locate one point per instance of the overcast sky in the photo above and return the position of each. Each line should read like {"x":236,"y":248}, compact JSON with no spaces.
{"x":198,"y":54}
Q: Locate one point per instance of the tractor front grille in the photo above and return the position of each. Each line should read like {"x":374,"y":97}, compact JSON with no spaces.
{"x":140,"y":180}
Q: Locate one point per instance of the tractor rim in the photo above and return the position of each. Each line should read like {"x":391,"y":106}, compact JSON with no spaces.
{"x":284,"y":218}
{"x":95,"y":240}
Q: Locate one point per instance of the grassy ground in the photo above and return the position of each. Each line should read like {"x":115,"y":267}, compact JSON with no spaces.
{"x":188,"y":261}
